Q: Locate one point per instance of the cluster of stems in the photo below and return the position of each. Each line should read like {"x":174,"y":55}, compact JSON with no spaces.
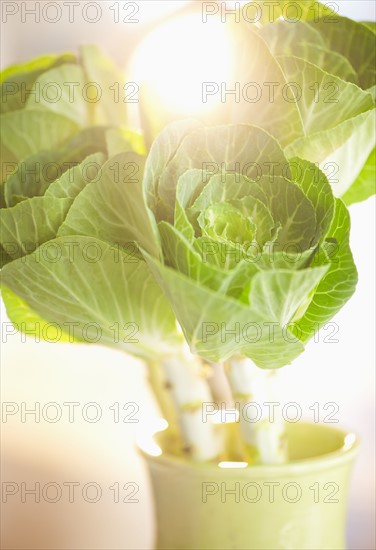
{"x":186,"y":387}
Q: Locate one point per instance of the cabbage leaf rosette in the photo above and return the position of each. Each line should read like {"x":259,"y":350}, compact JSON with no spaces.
{"x":255,"y":247}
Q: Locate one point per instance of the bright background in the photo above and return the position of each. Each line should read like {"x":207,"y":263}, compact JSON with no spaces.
{"x":103,"y":452}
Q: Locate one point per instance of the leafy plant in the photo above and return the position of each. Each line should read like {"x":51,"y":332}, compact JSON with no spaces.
{"x":227,"y":234}
{"x":243,"y":246}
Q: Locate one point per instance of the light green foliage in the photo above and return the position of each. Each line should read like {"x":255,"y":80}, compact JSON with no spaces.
{"x":73,"y":211}
{"x":255,"y":246}
{"x":232,"y":228}
{"x":322,"y":67}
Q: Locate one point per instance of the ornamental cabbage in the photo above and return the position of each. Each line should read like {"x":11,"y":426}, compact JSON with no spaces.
{"x":255,"y":247}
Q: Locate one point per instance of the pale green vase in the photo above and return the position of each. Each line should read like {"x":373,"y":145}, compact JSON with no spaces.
{"x":300,"y":505}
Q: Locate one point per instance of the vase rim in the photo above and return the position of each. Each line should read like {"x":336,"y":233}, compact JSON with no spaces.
{"x":343,"y":454}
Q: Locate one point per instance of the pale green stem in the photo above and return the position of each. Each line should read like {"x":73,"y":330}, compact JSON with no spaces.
{"x":172,"y":440}
{"x":263,"y":434}
{"x":219,"y":386}
{"x":233,"y":447}
{"x":189,"y":390}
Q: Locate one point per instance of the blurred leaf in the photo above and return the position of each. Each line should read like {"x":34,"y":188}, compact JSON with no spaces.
{"x":26,"y":321}
{"x":365,"y":184}
{"x":109,"y":108}
{"x":59,"y":96}
{"x":27,"y":132}
{"x":17,"y":80}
